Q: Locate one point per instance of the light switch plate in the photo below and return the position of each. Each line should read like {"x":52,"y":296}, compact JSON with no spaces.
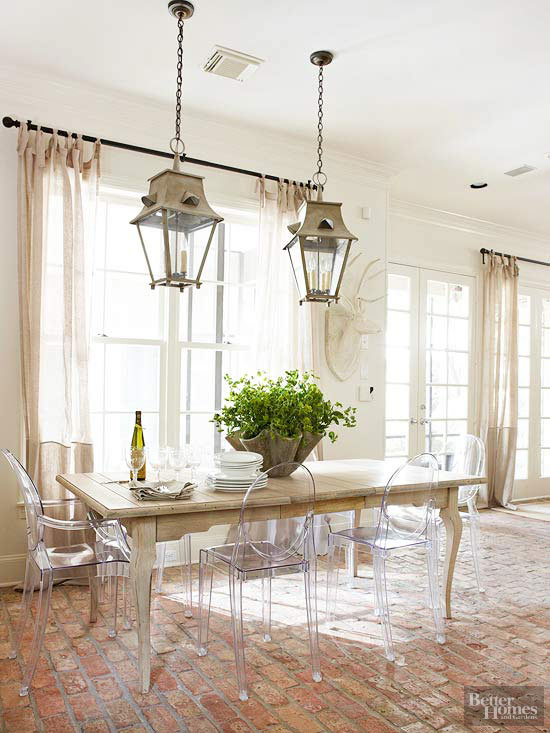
{"x":365,"y":212}
{"x":366,"y":393}
{"x":364,"y":341}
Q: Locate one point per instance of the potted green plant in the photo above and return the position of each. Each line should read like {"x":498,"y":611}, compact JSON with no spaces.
{"x":283,"y":419}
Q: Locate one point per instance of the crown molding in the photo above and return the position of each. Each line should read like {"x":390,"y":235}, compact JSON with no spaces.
{"x":477,"y":227}
{"x":29,"y":94}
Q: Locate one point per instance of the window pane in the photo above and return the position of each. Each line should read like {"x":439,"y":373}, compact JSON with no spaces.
{"x":545,"y":463}
{"x":437,"y":332}
{"x":521,"y":464}
{"x":436,"y":402}
{"x":523,"y":371}
{"x":198,"y":430}
{"x":238,"y":314}
{"x":198,"y":314}
{"x":523,"y":402}
{"x":397,"y":364}
{"x":459,"y":300}
{"x":198,"y":370}
{"x":545,"y":433}
{"x":545,"y":372}
{"x":546,"y":342}
{"x":524,"y":340}
{"x":523,"y":434}
{"x":436,"y":367}
{"x":397,"y":401}
{"x":132,"y":309}
{"x":457,"y":402}
{"x":399,"y":292}
{"x":546,"y":311}
{"x":458,"y":368}
{"x":133,"y":381}
{"x":396,"y":446}
{"x":398,"y":329}
{"x":437,"y":297}
{"x":524,"y":310}
{"x":123,"y":246}
{"x":458,"y":334}
{"x":545,"y":403}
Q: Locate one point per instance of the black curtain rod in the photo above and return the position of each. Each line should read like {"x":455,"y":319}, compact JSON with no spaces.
{"x":10,"y":122}
{"x":485,"y":251}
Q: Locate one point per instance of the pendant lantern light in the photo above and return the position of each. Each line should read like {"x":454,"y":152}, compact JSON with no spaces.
{"x":176,"y":225}
{"x":320,"y":242}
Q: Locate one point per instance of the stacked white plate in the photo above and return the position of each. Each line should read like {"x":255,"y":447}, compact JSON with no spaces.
{"x":237,"y":471}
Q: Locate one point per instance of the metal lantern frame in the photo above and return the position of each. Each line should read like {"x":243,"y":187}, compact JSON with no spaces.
{"x":176,"y":203}
{"x":173,"y":193}
{"x":322,"y":229}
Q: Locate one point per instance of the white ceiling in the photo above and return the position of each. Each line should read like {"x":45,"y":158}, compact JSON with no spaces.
{"x":444,"y":92}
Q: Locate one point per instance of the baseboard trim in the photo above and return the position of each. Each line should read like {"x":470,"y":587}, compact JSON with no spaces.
{"x":12,"y":569}
{"x":529,"y":499}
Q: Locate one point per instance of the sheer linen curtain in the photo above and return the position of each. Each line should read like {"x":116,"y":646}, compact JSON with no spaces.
{"x":57,"y":201}
{"x":498,"y":419}
{"x":287,"y":335}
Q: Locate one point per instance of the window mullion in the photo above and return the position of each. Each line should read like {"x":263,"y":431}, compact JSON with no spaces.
{"x":218,"y":368}
{"x":171,"y":371}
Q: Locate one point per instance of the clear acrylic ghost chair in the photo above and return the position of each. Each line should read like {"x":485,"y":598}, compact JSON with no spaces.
{"x":464,"y":454}
{"x":186,"y":568}
{"x":467,"y":456}
{"x":389,"y":536}
{"x":46,"y":564}
{"x":246,"y":559}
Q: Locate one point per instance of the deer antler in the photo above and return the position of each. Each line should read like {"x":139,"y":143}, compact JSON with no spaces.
{"x":364,"y":275}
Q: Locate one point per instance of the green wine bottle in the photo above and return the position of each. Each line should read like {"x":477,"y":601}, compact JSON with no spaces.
{"x":138,"y":441}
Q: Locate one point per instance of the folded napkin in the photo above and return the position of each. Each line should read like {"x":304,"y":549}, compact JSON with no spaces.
{"x":164,"y":490}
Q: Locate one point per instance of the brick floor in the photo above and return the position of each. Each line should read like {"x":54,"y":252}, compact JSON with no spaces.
{"x":88,"y":682}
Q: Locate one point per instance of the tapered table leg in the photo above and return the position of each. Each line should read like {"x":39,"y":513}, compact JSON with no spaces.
{"x":144,"y":535}
{"x":453,"y":529}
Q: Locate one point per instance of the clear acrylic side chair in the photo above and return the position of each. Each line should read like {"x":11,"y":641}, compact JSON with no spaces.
{"x":389,"y":536}
{"x":246,"y":559}
{"x":468,"y":456}
{"x":46,"y":564}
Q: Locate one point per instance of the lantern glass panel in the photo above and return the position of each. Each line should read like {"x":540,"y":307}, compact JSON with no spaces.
{"x":295,"y":253}
{"x":182,"y":227}
{"x":324,"y":258}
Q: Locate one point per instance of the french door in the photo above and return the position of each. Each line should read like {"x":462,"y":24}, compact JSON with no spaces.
{"x":429,"y":360}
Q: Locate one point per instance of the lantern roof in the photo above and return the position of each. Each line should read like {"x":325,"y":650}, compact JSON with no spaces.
{"x":321,"y":219}
{"x":181,"y":192}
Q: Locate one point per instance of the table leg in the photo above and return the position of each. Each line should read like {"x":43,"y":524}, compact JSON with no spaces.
{"x":453,"y":529}
{"x":354,"y":547}
{"x":144,"y":536}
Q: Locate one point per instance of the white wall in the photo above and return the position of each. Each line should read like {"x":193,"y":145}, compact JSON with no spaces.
{"x":68,"y":106}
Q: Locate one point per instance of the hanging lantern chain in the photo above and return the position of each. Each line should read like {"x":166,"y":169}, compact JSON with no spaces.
{"x":320,"y":172}
{"x":176,"y":144}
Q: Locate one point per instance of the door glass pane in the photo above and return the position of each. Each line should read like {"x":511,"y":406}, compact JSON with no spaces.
{"x":524,"y":382}
{"x":398,"y":366}
{"x":447,"y":362}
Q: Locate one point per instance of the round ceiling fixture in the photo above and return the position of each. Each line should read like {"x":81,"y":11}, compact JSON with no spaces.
{"x":478,"y":184}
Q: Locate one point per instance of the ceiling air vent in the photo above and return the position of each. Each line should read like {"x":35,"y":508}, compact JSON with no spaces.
{"x":520,"y":171}
{"x":231,"y":64}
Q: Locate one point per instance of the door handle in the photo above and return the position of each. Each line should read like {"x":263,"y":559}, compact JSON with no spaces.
{"x":424,"y":420}
{"x":413,"y":420}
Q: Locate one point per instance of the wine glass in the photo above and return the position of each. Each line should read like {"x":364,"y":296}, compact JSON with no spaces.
{"x":194,"y":458}
{"x":178,"y":460}
{"x":135,"y":458}
{"x":157,"y":457}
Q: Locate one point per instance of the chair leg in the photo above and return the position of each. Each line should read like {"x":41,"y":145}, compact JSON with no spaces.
{"x":26,"y":603}
{"x":310,"y":586}
{"x":333,"y":574}
{"x":432,"y":555}
{"x":206,"y":572}
{"x":475,"y":544}
{"x":379,"y":568}
{"x":186,"y":566}
{"x":112,"y":631}
{"x":266,"y":606}
{"x":126,"y":607}
{"x":45,"y":593}
{"x":161,"y":559}
{"x":236,"y":599}
{"x":94,"y":593}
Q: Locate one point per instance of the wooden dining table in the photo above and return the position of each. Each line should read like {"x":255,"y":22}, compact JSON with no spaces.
{"x":340,"y":486}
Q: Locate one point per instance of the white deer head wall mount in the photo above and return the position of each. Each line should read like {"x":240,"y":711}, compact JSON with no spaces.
{"x":346,"y":322}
